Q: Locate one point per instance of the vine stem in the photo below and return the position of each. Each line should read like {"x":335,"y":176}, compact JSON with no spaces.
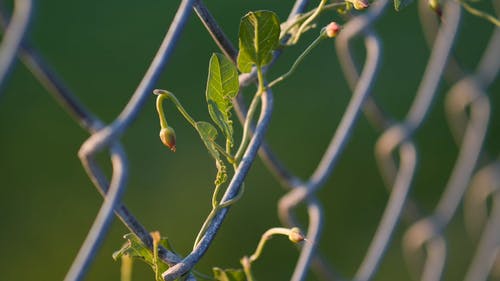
{"x":216,"y":206}
{"x":250,"y":113}
{"x":247,"y":268}
{"x":260,"y":77}
{"x":297,"y":20}
{"x":293,"y":235}
{"x":205,"y":226}
{"x":299,"y":60}
{"x":228,"y":156}
{"x":232,"y":191}
{"x":228,"y":146}
{"x":161,"y":113}
{"x":265,"y":237}
{"x":156,"y":242}
{"x":215,"y":203}
{"x":479,"y":13}
{"x":309,"y":20}
{"x":163,"y":95}
{"x":246,"y":127}
{"x":126,"y":268}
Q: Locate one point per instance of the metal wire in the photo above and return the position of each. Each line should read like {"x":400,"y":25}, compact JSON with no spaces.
{"x":424,"y":242}
{"x":467,"y":93}
{"x":13,"y":36}
{"x":486,"y":183}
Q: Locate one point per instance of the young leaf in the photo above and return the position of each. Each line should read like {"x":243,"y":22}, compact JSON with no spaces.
{"x":228,"y":274}
{"x":222,"y":86}
{"x":258,"y":37}
{"x":400,"y":4}
{"x":208,"y":134}
{"x":136,"y":250}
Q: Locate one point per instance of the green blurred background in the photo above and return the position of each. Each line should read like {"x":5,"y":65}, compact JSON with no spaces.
{"x":102,"y":49}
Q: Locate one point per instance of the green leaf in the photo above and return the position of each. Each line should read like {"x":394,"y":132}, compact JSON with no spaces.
{"x":258,"y":37}
{"x":400,"y":4}
{"x":228,"y":274}
{"x":208,"y":134}
{"x":222,"y":86}
{"x":135,"y":249}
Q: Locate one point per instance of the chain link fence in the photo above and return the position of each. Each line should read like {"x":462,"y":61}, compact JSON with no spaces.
{"x":472,"y":184}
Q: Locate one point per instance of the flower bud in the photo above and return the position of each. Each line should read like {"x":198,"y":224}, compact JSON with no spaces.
{"x":167,"y":136}
{"x":332,"y":29}
{"x":295,"y":236}
{"x":359,"y":4}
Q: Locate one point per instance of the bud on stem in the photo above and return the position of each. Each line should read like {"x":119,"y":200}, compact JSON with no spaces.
{"x":332,"y":29}
{"x":359,"y":4}
{"x":295,"y":236}
{"x":167,"y":136}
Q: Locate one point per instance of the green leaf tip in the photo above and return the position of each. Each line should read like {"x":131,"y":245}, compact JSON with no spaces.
{"x":258,"y":37}
{"x":228,"y":274}
{"x":222,"y":86}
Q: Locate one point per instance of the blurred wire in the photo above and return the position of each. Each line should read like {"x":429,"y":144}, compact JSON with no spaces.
{"x":468,"y":110}
{"x":485,"y":185}
{"x":13,"y":36}
{"x":91,"y":123}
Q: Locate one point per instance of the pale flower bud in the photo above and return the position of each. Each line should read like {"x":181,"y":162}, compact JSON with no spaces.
{"x":167,"y":136}
{"x":332,"y":29}
{"x":295,"y":236}
{"x":359,"y":4}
